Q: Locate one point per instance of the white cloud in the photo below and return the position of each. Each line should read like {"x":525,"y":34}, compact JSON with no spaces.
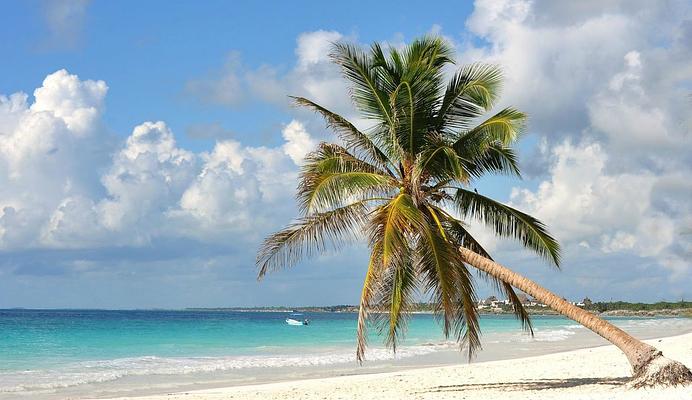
{"x":147,"y":176}
{"x":314,"y":47}
{"x":298,"y":141}
{"x":580,"y":199}
{"x":585,"y":205}
{"x":57,"y":193}
{"x":238,"y":190}
{"x":636,"y":125}
{"x":619,"y":241}
{"x":47,"y":152}
{"x":77,"y":103}
{"x":605,"y":89}
{"x":553,"y":69}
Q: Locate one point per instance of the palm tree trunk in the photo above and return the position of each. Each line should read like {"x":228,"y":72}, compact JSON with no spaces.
{"x":648,"y":364}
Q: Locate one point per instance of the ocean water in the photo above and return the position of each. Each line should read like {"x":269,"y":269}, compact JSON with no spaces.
{"x":83,"y":352}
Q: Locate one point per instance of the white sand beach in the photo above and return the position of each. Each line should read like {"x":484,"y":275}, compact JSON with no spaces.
{"x":595,"y":373}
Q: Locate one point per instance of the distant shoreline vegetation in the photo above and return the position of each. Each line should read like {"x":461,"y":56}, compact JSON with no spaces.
{"x":611,"y":308}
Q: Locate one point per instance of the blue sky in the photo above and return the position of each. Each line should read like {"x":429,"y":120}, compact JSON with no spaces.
{"x":145,"y":51}
{"x":102,"y":205}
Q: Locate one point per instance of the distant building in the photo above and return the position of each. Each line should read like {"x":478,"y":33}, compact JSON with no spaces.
{"x":490,"y":302}
{"x":536,"y":303}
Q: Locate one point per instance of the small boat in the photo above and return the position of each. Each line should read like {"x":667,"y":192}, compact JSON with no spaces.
{"x":296,"y":321}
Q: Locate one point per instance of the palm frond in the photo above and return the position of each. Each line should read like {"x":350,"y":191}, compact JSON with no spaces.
{"x":450,"y":283}
{"x":495,"y":159}
{"x":470,"y":92}
{"x":333,"y":189}
{"x":310,"y":235}
{"x":353,"y":138}
{"x":440,"y":161}
{"x":367,"y":90}
{"x":427,"y":53}
{"x":437,"y":264}
{"x":508,"y":222}
{"x":333,"y":158}
{"x":398,"y":218}
{"x":392,"y":225}
{"x":466,"y":324}
{"x":467,"y":327}
{"x":373,"y":279}
{"x":386,"y":69}
{"x":504,"y":127}
{"x":331,"y":176}
{"x":517,"y":307}
{"x":417,"y":94}
{"x":397,"y":293}
{"x":463,"y":238}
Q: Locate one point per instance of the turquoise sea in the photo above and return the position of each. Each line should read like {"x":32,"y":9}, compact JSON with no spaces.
{"x":45,"y":351}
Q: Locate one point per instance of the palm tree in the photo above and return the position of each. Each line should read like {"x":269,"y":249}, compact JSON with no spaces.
{"x":405,"y":185}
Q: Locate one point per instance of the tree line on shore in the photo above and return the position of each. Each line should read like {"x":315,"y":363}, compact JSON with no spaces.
{"x":600,"y":306}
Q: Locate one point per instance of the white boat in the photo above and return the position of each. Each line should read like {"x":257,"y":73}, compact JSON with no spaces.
{"x":296,"y":321}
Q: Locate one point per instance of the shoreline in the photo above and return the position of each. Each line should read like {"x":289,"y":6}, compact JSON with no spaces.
{"x":147,"y":375}
{"x":533,"y":311}
{"x":542,"y":311}
{"x":593,"y":372}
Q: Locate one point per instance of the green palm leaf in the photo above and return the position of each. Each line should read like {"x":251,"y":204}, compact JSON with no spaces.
{"x":373,"y":278}
{"x":331,"y":177}
{"x":463,"y":238}
{"x":348,"y":133}
{"x":329,"y":158}
{"x":436,"y":263}
{"x":504,"y":127}
{"x":450,"y":283}
{"x":396,"y":295}
{"x":440,"y":161}
{"x":310,"y":235}
{"x":470,"y":92}
{"x":508,"y":222}
{"x":391,"y":225}
{"x":334,"y":189}
{"x":496,"y":159}
{"x":367,"y":90}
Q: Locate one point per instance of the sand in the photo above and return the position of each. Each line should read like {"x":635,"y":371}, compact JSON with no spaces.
{"x":596,"y":373}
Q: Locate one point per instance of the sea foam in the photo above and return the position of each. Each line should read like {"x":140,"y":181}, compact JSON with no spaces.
{"x":86,"y":372}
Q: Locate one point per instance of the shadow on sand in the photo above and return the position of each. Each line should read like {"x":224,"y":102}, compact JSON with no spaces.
{"x":532,"y":384}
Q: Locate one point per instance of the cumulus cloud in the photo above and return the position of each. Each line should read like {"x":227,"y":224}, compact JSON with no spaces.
{"x":298,"y":141}
{"x":556,"y":57}
{"x":57,"y":193}
{"x":605,"y":90}
{"x":47,"y":152}
{"x":584,"y":204}
{"x":314,"y":47}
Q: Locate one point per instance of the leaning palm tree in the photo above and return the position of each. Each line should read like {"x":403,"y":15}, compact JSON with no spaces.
{"x":405,"y":186}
